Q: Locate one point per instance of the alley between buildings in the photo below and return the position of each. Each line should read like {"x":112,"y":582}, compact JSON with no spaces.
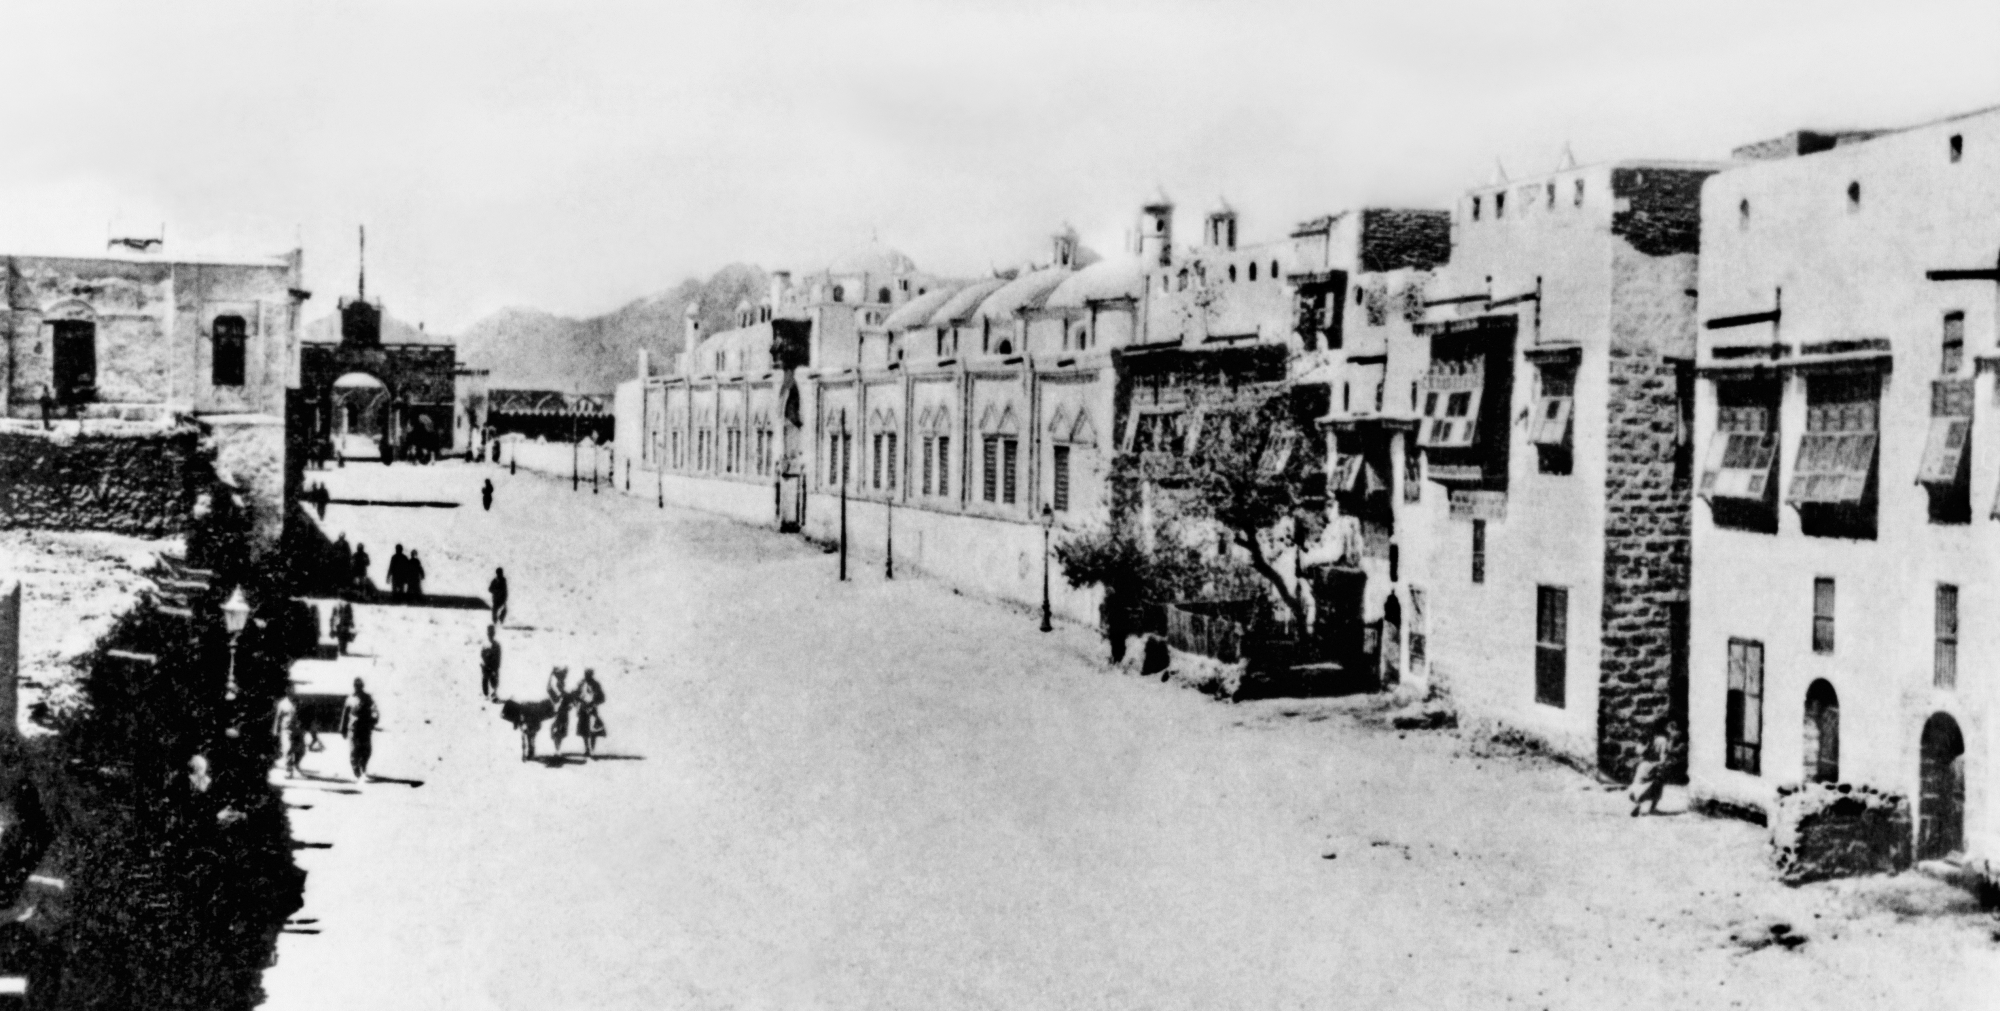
{"x":887,"y":795}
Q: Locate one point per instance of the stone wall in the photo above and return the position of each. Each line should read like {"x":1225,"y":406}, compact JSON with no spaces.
{"x":1647,"y":500}
{"x":1393,"y":240}
{"x":142,"y":483}
{"x":1659,"y":210}
{"x":1837,"y":830}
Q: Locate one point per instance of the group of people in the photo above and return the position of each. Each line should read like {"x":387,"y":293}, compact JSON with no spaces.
{"x":406,"y":575}
{"x":576,"y":708}
{"x":359,"y":718}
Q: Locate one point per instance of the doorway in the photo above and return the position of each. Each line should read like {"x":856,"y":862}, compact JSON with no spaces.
{"x":1941,"y":790}
{"x":75,"y":378}
{"x":1392,"y":642}
{"x":1822,"y":734}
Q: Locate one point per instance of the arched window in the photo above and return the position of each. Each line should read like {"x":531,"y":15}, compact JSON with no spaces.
{"x":1253,"y":272}
{"x":1274,"y":270}
{"x":839,"y":293}
{"x":1941,"y":789}
{"x":1578,"y":198}
{"x":229,"y":336}
{"x":1475,"y":208}
{"x":1743,"y":213}
{"x":1005,"y":347}
{"x":1822,"y":734}
{"x":1957,"y":147}
{"x":882,"y":296}
{"x":1232,"y":273}
{"x":1854,"y":196}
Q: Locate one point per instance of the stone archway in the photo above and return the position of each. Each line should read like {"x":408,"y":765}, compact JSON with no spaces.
{"x":1941,"y":789}
{"x":1392,"y":642}
{"x":1822,"y":734}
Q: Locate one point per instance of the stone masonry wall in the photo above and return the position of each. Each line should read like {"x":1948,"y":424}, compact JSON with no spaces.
{"x":143,"y":484}
{"x":1829,"y":830}
{"x":1393,"y":240}
{"x":1647,"y":505}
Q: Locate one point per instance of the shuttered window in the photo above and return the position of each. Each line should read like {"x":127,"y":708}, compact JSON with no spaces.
{"x":944,"y":465}
{"x":1837,"y":452}
{"x":1479,"y":551}
{"x":1551,"y":645}
{"x":930,"y":446}
{"x":1822,"y":633}
{"x":1945,"y":458}
{"x":1743,"y":711}
{"x":231,"y":339}
{"x":1945,"y":672}
{"x":1010,"y":453}
{"x":1060,"y":494}
{"x":1450,"y":396}
{"x":1741,"y":453}
{"x":990,"y":490}
{"x":891,"y":438}
{"x":1551,"y":423}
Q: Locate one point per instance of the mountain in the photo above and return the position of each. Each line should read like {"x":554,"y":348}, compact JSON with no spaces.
{"x":529,"y":348}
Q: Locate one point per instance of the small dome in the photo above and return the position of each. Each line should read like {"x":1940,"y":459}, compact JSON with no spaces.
{"x":1123,"y":277}
{"x":961,"y":306}
{"x":918,"y":311}
{"x":1025,"y":292}
{"x":874,"y":259}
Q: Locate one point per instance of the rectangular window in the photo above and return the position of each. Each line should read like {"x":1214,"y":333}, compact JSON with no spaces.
{"x":1945,"y":457}
{"x":878,"y":460}
{"x":1945,"y":674}
{"x":1743,"y":449}
{"x":1953,"y":357}
{"x":990,"y":488}
{"x":230,"y":338}
{"x":1010,"y":450}
{"x":1551,"y":645}
{"x":1060,"y":495}
{"x":1822,"y":636}
{"x":1451,"y":395}
{"x":1837,"y":452}
{"x":892,"y":461}
{"x":1743,"y":712}
{"x":930,"y":446}
{"x":1479,"y":551}
{"x":944,"y":465}
{"x":1419,"y":630}
{"x":1551,"y":423}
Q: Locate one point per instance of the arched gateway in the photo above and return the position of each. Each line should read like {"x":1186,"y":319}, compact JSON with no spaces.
{"x":416,"y":416}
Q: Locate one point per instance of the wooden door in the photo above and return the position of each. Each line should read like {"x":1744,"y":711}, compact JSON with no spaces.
{"x":75,"y":361}
{"x":1941,"y":801}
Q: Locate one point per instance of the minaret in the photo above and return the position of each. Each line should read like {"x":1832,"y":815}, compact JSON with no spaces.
{"x":1156,"y":232}
{"x":361,"y":288}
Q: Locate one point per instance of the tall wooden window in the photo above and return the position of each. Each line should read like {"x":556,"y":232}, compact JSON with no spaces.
{"x":1822,"y":632}
{"x":943,"y":465}
{"x":1743,"y":712}
{"x":990,"y":466}
{"x":930,"y":446}
{"x":1060,"y":495}
{"x":1479,"y":551}
{"x":1833,"y":479}
{"x":230,"y":337}
{"x":890,"y":466}
{"x":1945,"y":470}
{"x":1551,"y":645}
{"x":1010,"y":453}
{"x":1945,"y":672}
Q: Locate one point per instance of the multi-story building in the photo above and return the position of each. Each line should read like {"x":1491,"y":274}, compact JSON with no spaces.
{"x":1550,"y":576}
{"x":1845,"y":540}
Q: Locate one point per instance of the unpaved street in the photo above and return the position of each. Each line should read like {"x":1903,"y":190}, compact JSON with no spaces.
{"x":885,"y":795}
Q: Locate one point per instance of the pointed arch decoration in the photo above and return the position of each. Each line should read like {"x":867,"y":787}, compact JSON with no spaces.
{"x":1084,"y":433}
{"x":989,"y":420}
{"x":1059,"y":424}
{"x":1008,"y":425}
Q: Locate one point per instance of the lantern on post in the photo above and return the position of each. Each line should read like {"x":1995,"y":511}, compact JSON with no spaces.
{"x":235,"y":618}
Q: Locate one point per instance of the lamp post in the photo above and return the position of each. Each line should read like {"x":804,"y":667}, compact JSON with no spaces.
{"x":513,"y":456}
{"x":1048,"y":524}
{"x":889,"y":526}
{"x":235,"y":617}
{"x":841,"y":471}
{"x":575,"y":447}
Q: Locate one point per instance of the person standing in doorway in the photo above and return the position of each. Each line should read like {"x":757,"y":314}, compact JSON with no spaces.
{"x":343,"y":624}
{"x":489,"y":665}
{"x":358,"y":719}
{"x":486,"y":495}
{"x":413,"y":576}
{"x":497,"y":590}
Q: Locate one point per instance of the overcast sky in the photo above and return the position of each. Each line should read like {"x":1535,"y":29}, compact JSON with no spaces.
{"x":574,"y":156}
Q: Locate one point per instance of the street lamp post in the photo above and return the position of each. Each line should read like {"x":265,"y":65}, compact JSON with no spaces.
{"x":235,"y":617}
{"x":1048,"y":524}
{"x":513,"y":457}
{"x":575,"y":447}
{"x":842,"y":472}
{"x":889,"y":526}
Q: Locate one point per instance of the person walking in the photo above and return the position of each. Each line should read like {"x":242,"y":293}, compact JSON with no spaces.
{"x":486,"y":495}
{"x":497,"y":591}
{"x":489,"y":665}
{"x":399,"y":574}
{"x":343,"y":624}
{"x":1649,"y":778}
{"x":361,"y":583}
{"x":48,"y":405}
{"x":413,"y":576}
{"x":562,"y":700}
{"x":589,"y":696}
{"x":290,"y":731}
{"x":358,"y":720}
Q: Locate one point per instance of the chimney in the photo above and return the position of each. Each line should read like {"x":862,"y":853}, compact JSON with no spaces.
{"x":645,"y":365}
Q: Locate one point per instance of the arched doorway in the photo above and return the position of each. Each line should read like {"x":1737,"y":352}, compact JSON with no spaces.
{"x":1941,"y":790}
{"x":1822,"y":734}
{"x":1392,"y":642}
{"x":360,"y":416}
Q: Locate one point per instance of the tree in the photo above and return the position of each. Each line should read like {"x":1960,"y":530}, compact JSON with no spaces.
{"x":1247,"y":469}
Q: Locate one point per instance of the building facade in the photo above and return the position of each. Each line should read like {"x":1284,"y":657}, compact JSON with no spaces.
{"x":1846,"y":532}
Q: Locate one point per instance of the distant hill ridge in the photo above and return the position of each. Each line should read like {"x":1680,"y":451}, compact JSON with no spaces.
{"x":527,"y":348}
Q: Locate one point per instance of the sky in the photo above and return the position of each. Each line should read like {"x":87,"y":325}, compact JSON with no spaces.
{"x":574,"y":156}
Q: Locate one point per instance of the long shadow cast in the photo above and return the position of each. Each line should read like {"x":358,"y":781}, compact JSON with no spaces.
{"x":394,"y":503}
{"x":442,"y":601}
{"x":412,"y":783}
{"x":560,"y":761}
{"x":617,"y":758}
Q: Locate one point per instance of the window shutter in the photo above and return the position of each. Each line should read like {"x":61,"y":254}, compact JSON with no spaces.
{"x":1552,"y":421}
{"x":1061,"y":468}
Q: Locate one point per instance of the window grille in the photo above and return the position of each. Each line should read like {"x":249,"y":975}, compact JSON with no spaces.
{"x":1822,"y":632}
{"x":990,"y":487}
{"x":1743,"y":710}
{"x":1551,"y":645}
{"x":1451,"y":396}
{"x":1837,"y":452}
{"x":1060,"y":494}
{"x":1479,"y":551}
{"x":231,"y":338}
{"x":1945,"y":673}
{"x":1010,"y":449}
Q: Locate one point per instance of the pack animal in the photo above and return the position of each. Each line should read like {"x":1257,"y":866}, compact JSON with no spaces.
{"x":528,"y":717}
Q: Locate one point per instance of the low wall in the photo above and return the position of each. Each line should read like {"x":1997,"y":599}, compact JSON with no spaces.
{"x":1825,"y":830}
{"x":555,"y":458}
{"x":141,"y":482}
{"x":989,"y":557}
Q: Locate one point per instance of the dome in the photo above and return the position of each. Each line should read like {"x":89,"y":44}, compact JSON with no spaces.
{"x":918,"y":311}
{"x":874,"y":259}
{"x":1123,"y":277}
{"x":1024,"y":292}
{"x":961,"y":306}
